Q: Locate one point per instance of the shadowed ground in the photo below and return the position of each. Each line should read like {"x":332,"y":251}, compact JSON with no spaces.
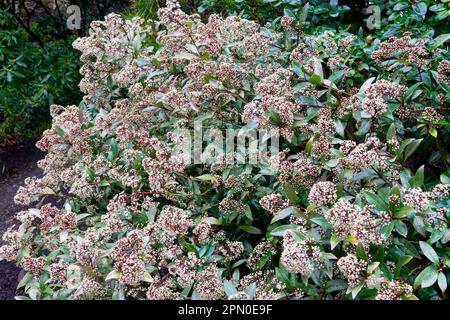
{"x":20,"y":161}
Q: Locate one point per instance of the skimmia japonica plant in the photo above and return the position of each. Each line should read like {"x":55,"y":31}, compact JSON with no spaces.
{"x":352,"y":204}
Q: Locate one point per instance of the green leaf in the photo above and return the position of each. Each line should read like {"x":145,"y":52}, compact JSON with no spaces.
{"x":322,"y":221}
{"x":411,"y":297}
{"x":409,"y":94}
{"x":104,"y":183}
{"x":338,"y":75}
{"x":264,"y":259}
{"x":82,"y":216}
{"x":429,"y":252}
{"x":115,"y":149}
{"x":387,"y":229}
{"x":275,"y":118}
{"x":238,"y":263}
{"x":213,"y":221}
{"x":437,"y":7}
{"x":421,"y":8}
{"x":284,"y":213}
{"x":283,"y":276}
{"x":442,"y":282}
{"x":408,"y":248}
{"x":24,"y":281}
{"x":114,"y":274}
{"x":207,"y":177}
{"x":304,"y":14}
{"x":315,"y":79}
{"x":248,"y":212}
{"x":366,"y":85}
{"x":392,"y":131}
{"x":291,"y":194}
{"x":229,"y":288}
{"x":442,"y":15}
{"x":418,"y":179}
{"x":356,"y":290}
{"x":440,"y":40}
{"x":401,"y":228}
{"x":279,"y":231}
{"x":411,"y":148}
{"x":395,"y":190}
{"x":309,"y":146}
{"x":402,"y":261}
{"x":444,"y":178}
{"x":426,"y":278}
{"x":335,"y":285}
{"x":250,"y":229}
{"x":361,"y":253}
{"x":364,"y":127}
{"x":340,"y":128}
{"x":376,"y":200}
{"x":289,"y":13}
{"x":334,"y":241}
{"x":419,"y":225}
{"x":90,"y":173}
{"x":318,"y":70}
{"x":372,"y":267}
{"x":433,"y":132}
{"x":402,"y":148}
{"x":147,"y":276}
{"x":20,"y":298}
{"x":401,"y":5}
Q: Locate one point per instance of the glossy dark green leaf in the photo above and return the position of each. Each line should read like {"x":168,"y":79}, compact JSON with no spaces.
{"x":429,"y":252}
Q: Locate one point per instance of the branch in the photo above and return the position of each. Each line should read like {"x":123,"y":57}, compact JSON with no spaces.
{"x":27,"y":29}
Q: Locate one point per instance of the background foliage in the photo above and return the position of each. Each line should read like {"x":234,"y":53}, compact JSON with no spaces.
{"x":32,"y":78}
{"x":39,"y":67}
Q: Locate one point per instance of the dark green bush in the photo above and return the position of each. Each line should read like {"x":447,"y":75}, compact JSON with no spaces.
{"x":39,"y":65}
{"x":31,"y":79}
{"x":404,"y":15}
{"x":397,"y":15}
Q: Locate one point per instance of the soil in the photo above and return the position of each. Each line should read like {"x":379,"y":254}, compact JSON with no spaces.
{"x":19,"y":162}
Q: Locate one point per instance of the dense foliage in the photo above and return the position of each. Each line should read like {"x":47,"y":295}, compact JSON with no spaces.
{"x":354,"y":206}
{"x":31,"y":79}
{"x":321,"y":13}
{"x":35,"y":48}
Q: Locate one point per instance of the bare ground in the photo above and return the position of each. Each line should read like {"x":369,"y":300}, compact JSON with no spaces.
{"x":20,"y":161}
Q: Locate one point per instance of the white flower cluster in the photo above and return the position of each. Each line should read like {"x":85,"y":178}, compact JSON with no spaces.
{"x":300,"y":256}
{"x":355,"y":223}
{"x":322,"y":194}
